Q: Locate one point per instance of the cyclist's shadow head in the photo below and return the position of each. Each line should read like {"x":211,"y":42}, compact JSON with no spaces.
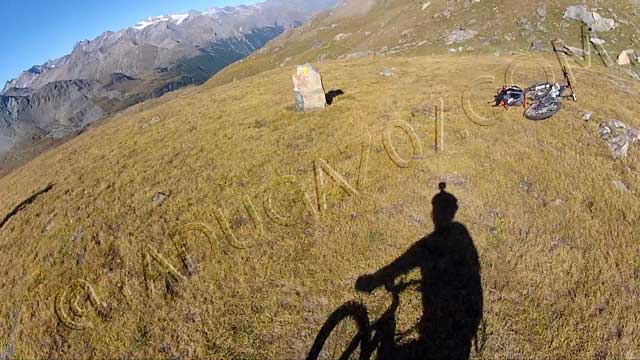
{"x":445,"y":207}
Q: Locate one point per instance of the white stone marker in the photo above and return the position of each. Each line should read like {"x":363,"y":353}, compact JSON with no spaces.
{"x":308,"y":88}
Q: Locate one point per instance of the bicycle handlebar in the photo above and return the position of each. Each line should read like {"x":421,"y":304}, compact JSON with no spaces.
{"x":401,"y":286}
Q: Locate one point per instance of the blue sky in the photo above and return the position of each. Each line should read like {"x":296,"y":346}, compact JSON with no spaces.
{"x":34,"y":31}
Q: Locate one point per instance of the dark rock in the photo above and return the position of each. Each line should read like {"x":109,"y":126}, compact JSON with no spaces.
{"x":616,"y":331}
{"x":239,"y":221}
{"x":601,"y":354}
{"x":171,"y":285}
{"x":192,"y":316}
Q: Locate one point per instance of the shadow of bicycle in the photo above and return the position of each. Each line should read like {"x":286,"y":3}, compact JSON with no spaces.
{"x":451,"y":291}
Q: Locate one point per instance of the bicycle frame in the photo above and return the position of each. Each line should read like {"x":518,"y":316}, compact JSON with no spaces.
{"x":384,"y":329}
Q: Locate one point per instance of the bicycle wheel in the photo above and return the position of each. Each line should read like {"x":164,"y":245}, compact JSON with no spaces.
{"x":344,"y":335}
{"x":540,"y":111}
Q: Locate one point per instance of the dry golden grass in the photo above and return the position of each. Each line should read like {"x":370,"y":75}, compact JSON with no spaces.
{"x":407,"y":28}
{"x":560,"y":260}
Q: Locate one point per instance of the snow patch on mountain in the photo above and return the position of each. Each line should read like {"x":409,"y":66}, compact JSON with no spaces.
{"x":179,"y":18}
{"x":175,"y":18}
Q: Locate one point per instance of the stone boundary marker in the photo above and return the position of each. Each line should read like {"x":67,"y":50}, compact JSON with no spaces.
{"x":308,"y":89}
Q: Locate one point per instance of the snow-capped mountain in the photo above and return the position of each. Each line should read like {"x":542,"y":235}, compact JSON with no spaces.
{"x":118,"y":69}
{"x":176,"y":19}
{"x":163,"y":41}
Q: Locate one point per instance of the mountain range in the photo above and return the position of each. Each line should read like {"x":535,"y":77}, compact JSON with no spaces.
{"x":118,"y":69}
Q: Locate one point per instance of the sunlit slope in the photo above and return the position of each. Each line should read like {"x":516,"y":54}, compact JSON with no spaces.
{"x":361,"y":28}
{"x":557,"y":240}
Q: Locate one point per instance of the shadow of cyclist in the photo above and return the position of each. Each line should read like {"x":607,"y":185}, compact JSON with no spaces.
{"x":451,"y":288}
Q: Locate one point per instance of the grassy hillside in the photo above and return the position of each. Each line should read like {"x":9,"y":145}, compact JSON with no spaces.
{"x":557,"y":240}
{"x":408,"y":28}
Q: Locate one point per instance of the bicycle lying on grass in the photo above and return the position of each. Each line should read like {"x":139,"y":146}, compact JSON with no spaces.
{"x":546,"y":98}
{"x":364,"y":339}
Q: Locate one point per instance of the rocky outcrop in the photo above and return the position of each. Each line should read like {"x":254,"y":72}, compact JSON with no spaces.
{"x":595,"y":21}
{"x":460,"y":36}
{"x":56,"y":110}
{"x":619,"y":136}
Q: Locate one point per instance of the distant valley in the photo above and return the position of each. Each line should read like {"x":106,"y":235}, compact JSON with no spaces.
{"x":50,"y":102}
